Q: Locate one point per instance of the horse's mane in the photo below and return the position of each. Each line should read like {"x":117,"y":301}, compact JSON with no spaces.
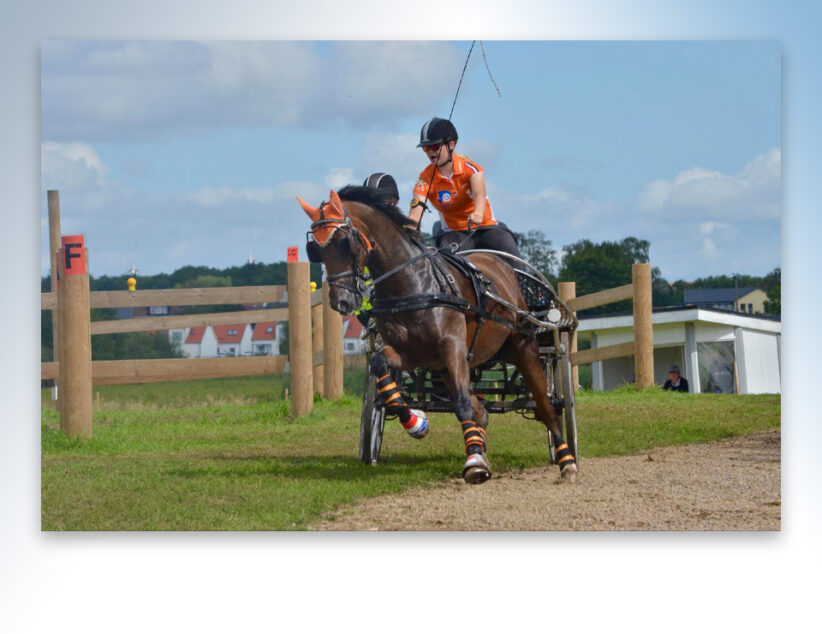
{"x":374,"y":198}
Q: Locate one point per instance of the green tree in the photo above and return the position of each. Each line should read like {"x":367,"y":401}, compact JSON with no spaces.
{"x":284,"y":341}
{"x":536,"y":249}
{"x":596,"y":267}
{"x":46,"y":337}
{"x":773,"y":305}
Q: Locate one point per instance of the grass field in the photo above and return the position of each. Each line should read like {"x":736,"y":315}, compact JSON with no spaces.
{"x":224,"y":454}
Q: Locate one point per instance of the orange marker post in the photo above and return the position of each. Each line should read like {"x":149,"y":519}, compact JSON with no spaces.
{"x":75,"y":337}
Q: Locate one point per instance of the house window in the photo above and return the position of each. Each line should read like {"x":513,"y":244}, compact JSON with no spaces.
{"x":232,"y":332}
{"x":716,"y":367}
{"x":349,"y":346}
{"x":270,"y":329}
{"x":158,"y":310}
{"x":750,"y":308}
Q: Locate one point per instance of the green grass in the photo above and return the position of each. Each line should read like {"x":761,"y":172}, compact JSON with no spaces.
{"x":225,"y":454}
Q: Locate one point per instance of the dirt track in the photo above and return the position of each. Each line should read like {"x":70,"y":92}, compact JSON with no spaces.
{"x":728,"y":485}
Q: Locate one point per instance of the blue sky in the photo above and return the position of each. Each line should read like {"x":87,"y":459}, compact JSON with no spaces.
{"x":169,"y":153}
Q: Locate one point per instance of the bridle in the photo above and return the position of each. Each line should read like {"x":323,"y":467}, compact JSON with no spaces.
{"x":361,"y":281}
{"x":356,"y":240}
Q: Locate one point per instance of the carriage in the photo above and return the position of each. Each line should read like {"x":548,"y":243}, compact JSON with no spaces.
{"x":498,"y":384}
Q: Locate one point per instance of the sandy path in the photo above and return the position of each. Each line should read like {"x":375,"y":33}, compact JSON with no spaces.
{"x":728,"y":485}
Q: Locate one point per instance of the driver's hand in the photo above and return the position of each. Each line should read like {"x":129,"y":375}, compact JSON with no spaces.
{"x":476,"y":218}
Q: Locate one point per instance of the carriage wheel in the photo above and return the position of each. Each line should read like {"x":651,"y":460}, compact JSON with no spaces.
{"x":568,"y":394}
{"x":551,"y":391}
{"x":372,"y":422}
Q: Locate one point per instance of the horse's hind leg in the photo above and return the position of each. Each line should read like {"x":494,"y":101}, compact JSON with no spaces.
{"x":470,"y":412}
{"x":524,"y":353}
{"x":413,"y":421}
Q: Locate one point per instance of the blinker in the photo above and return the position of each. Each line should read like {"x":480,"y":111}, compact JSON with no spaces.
{"x":313,"y":251}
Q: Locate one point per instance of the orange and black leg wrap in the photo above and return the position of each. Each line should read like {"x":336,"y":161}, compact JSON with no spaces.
{"x":388,"y":390}
{"x":563,"y":454}
{"x":475,"y":439}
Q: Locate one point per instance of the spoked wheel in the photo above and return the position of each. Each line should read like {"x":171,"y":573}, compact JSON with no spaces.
{"x":568,"y":398}
{"x":372,"y":422}
{"x":553,"y":396}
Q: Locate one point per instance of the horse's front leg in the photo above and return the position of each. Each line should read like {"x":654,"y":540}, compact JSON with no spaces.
{"x":469,"y":411}
{"x":413,"y":421}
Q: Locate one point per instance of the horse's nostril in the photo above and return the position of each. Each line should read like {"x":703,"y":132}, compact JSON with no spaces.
{"x":345,"y":307}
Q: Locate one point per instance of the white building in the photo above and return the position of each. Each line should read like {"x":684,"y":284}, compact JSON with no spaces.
{"x":199,"y":342}
{"x":715,"y":350}
{"x":233,"y":340}
{"x":352,"y":336}
{"x":267,"y":337}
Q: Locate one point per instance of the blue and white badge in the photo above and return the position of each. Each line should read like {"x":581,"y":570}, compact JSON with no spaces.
{"x":444,"y":196}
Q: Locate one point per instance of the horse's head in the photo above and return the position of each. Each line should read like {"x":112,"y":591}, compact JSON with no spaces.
{"x":344,"y":250}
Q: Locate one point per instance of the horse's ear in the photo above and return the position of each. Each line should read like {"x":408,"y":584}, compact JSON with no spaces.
{"x":336,"y":205}
{"x":313,"y":212}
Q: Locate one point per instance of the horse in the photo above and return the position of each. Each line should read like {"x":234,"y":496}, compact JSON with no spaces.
{"x":432,"y":319}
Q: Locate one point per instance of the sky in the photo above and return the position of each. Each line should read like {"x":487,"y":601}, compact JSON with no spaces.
{"x":169,"y":153}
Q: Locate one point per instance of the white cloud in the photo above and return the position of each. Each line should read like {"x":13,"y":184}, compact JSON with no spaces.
{"x":707,"y":228}
{"x":76,"y":169}
{"x":119,"y":90}
{"x":338,"y":177}
{"x":754,"y":192}
{"x":220,"y":196}
{"x":214,"y":196}
{"x":708,"y":248}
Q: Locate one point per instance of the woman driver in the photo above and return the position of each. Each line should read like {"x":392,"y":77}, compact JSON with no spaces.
{"x":455,"y":186}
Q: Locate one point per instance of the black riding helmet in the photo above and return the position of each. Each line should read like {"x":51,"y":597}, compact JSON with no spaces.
{"x":385,"y":183}
{"x":437,"y":130}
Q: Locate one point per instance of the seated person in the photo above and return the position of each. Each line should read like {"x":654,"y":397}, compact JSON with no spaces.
{"x":676,"y":381}
{"x":385,"y":184}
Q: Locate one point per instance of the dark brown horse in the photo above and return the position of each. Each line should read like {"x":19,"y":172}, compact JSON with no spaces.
{"x":355,"y":229}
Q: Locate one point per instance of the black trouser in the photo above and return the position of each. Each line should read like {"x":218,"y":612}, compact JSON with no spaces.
{"x":495,"y":238}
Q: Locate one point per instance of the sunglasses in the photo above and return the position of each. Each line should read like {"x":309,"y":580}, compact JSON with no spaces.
{"x":434,"y":147}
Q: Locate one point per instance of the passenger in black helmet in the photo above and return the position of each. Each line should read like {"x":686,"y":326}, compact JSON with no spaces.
{"x":386,"y":184}
{"x":455,"y":186}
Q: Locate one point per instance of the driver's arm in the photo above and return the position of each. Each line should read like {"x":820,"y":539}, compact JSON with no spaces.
{"x":477,"y":181}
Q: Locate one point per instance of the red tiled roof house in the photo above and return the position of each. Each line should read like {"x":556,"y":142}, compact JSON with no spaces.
{"x":233,"y":340}
{"x":200,"y":342}
{"x":266,"y":338}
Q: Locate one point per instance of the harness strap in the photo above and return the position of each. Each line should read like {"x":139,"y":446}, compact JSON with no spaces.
{"x":426,"y":254}
{"x":394,"y":306}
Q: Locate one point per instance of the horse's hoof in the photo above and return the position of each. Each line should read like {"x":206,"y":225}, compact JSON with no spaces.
{"x":417,"y":425}
{"x":569,"y":473}
{"x":477,"y":469}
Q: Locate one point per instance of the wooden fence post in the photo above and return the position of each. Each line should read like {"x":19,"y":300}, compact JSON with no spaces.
{"x":643,"y":326}
{"x":566,"y":291}
{"x":332,"y":349}
{"x":75,"y":338}
{"x":54,"y":246}
{"x":299,"y":338}
{"x":317,"y":345}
